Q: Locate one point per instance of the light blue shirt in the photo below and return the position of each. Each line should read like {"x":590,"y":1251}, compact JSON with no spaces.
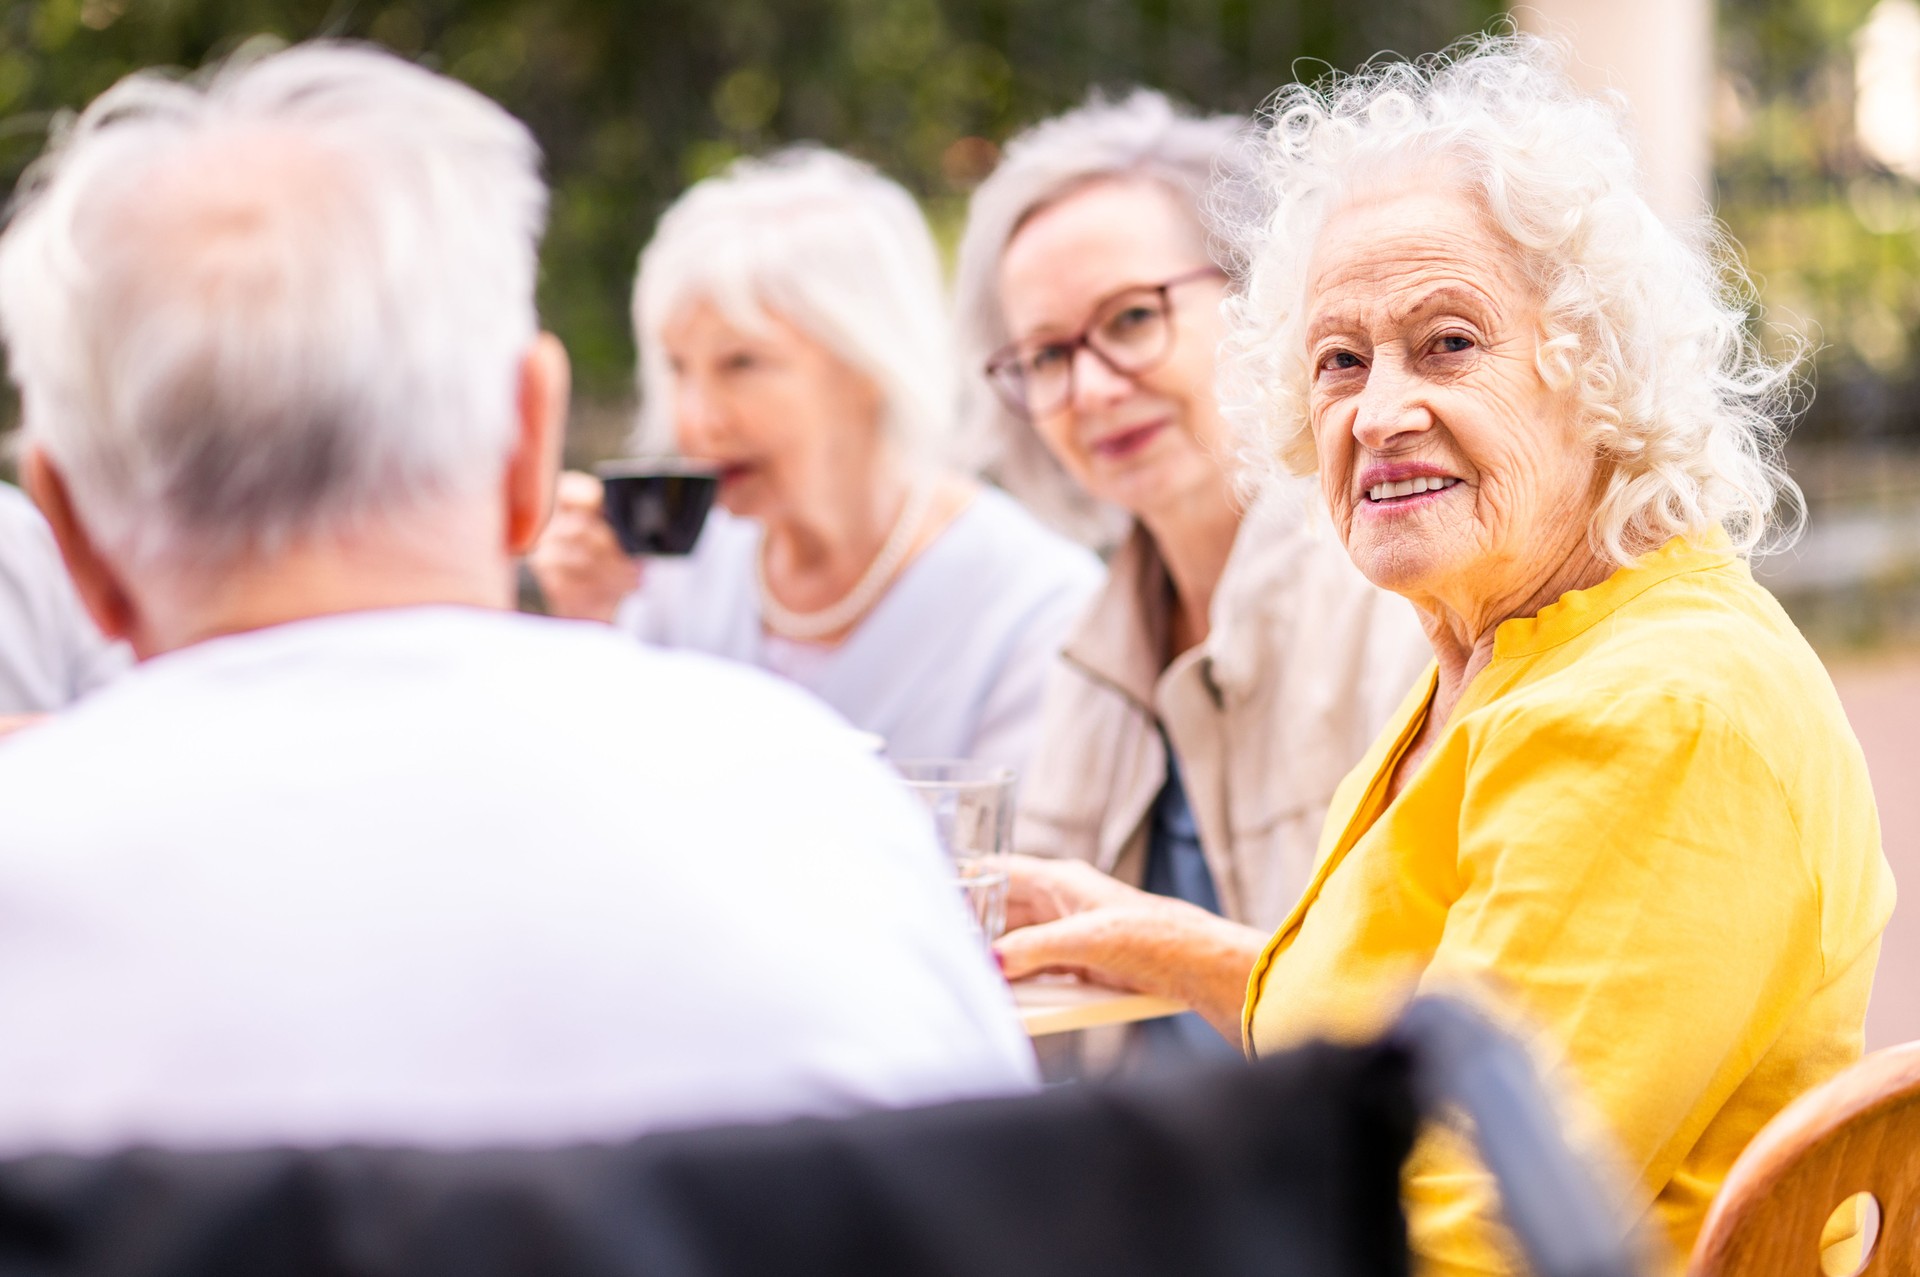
{"x":950,"y":663}
{"x":50,"y":654}
{"x":1177,"y":867}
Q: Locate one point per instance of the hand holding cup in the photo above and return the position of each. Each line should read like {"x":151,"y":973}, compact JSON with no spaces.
{"x":578,"y":563}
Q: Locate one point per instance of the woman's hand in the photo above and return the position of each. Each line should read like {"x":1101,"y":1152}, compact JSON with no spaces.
{"x":581,"y":569}
{"x":1065,"y":915}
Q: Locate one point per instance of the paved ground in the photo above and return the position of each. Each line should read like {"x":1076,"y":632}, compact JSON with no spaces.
{"x":1882,"y":697}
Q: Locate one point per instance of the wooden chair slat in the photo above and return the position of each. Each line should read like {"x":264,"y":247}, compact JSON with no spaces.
{"x":1859,"y":1132}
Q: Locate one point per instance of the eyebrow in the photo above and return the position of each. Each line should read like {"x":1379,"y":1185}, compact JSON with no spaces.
{"x":1442,"y":297}
{"x":1053,"y":330}
{"x":1453,"y":297}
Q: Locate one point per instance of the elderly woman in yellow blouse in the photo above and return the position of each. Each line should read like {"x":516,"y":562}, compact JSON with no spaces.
{"x":1625,"y":796}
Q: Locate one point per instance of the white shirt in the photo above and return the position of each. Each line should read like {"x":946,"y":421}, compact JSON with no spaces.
{"x":950,"y":663}
{"x":49,"y":651}
{"x":451,"y":876}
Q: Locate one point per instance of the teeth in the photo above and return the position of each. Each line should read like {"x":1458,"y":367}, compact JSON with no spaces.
{"x":1408,"y":487}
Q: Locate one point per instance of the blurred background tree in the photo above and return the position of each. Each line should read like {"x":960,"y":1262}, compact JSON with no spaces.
{"x":1816,"y":122}
{"x":1831,"y":229}
{"x":632,"y":102}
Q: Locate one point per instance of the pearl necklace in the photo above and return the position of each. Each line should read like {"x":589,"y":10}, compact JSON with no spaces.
{"x":855,"y":603}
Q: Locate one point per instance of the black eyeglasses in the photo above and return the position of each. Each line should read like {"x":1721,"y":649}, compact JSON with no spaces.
{"x":1130,"y":332}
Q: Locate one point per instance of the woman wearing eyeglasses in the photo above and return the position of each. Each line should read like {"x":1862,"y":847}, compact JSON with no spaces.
{"x":1235,"y":665}
{"x":792,"y":332}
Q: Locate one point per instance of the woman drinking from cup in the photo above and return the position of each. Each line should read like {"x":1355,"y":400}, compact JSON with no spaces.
{"x":792,"y":335}
{"x":1235,"y":665}
{"x":1624,"y":799}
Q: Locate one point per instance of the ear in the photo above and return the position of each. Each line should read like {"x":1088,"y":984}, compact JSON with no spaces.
{"x":101,"y":590}
{"x":546,"y":380}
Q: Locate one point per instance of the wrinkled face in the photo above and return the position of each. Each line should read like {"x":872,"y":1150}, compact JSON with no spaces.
{"x":1453,"y":472}
{"x":773,"y":408}
{"x":1147,"y":440}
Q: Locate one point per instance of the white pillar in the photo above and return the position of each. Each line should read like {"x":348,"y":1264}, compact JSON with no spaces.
{"x":1659,"y":54}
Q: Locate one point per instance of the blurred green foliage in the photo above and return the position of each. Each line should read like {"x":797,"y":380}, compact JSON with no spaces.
{"x":1833,"y":238}
{"x":633,"y":101}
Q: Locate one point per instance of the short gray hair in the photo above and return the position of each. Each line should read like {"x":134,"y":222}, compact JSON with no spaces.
{"x":1645,"y":323}
{"x":1141,"y":136}
{"x":265,"y":303}
{"x":837,"y":250}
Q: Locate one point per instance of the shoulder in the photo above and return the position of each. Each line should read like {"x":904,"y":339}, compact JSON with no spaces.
{"x":49,"y":649}
{"x":1694,"y":705}
{"x":1707,"y":647}
{"x":576,"y":657}
{"x":28,"y":554}
{"x":995,"y":533}
{"x":430,"y":690}
{"x":17,"y":511}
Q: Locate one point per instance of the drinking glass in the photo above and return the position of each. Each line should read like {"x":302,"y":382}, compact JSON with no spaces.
{"x":972,"y":808}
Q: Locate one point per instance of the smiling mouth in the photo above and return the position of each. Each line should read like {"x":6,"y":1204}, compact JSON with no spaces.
{"x":1388,"y":493}
{"x":1127,"y":441}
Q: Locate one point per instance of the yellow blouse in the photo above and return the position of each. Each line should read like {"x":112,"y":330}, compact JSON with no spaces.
{"x":1648,"y":828}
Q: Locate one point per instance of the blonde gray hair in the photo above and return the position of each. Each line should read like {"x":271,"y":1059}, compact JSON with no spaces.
{"x":1646,"y":324}
{"x":834,"y":248}
{"x":259,"y":305}
{"x":1141,"y":136}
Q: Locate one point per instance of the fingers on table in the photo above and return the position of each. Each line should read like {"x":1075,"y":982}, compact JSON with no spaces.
{"x":1065,"y":944}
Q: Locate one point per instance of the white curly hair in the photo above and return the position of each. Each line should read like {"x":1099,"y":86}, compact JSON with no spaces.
{"x":1648,"y":324}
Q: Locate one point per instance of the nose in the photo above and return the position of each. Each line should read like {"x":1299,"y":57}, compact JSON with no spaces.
{"x":1095,"y":385}
{"x":1390,"y":406}
{"x":696,"y":418}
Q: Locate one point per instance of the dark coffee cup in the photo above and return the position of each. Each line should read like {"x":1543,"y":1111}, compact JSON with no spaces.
{"x":657,"y":505}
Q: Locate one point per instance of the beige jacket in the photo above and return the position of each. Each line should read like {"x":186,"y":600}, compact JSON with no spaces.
{"x":1304,"y":662}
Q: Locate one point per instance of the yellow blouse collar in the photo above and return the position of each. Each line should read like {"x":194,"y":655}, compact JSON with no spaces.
{"x":1573,"y":613}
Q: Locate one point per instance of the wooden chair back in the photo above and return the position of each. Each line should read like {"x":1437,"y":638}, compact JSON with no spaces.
{"x":1858,"y":1133}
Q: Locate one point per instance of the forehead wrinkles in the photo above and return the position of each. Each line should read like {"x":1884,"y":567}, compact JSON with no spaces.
{"x":1358,"y":281}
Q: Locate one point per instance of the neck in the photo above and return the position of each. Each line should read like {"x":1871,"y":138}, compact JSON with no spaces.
{"x":1194,"y":537}
{"x":452,"y":558}
{"x":1462,"y":634}
{"x":829,"y":534}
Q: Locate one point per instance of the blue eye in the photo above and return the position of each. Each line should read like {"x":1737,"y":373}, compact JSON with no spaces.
{"x":1340,"y":361}
{"x":1046,"y":357}
{"x":1454,"y":343}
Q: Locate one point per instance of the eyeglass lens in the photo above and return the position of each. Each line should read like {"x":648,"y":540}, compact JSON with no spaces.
{"x":1129,"y":335}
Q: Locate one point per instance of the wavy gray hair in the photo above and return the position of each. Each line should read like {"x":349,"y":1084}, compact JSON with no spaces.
{"x":837,"y":249}
{"x":267,"y":302}
{"x":1141,"y":136}
{"x":1646,"y":323}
